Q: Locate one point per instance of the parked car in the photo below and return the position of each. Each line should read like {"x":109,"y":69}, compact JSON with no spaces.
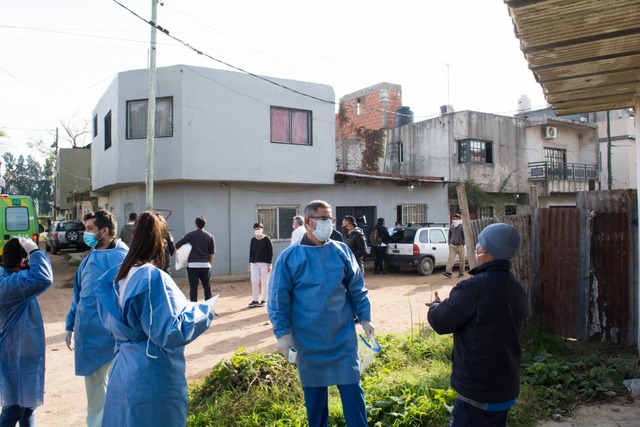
{"x":422,"y":248}
{"x":65,"y":234}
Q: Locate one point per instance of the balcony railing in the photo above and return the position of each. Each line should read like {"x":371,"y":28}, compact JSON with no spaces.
{"x":562,"y":171}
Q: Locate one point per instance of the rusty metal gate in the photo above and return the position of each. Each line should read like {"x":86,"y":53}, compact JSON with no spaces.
{"x":580,"y":266}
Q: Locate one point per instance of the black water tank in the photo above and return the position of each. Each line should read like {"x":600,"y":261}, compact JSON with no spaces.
{"x":404,"y":116}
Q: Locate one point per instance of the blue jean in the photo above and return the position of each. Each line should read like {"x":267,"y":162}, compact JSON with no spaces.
{"x":316,"y":400}
{"x":465,"y":414}
{"x":14,"y":414}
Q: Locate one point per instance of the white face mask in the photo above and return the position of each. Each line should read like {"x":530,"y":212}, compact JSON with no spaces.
{"x":323,"y":229}
{"x":258,"y":232}
{"x":477,"y":254}
{"x":457,"y":222}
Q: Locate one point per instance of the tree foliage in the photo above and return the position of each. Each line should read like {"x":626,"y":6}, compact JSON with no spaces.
{"x":26,"y":176}
{"x":476,"y":196}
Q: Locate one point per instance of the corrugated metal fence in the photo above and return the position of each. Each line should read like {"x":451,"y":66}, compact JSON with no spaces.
{"x":579,"y":266}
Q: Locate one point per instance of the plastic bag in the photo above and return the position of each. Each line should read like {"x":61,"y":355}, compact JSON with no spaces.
{"x":368,"y":350}
{"x":182,"y":256}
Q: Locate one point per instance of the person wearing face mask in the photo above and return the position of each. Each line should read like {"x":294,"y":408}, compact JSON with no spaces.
{"x":456,"y":246}
{"x":93,"y":345}
{"x":22,"y":341}
{"x":485,"y":314}
{"x":314,"y":290}
{"x":260,"y":257}
{"x":356,"y":240}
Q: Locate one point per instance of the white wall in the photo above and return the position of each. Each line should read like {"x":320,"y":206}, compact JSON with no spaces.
{"x":221,"y":130}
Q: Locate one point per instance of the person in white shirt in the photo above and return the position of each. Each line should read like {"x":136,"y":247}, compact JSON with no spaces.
{"x":299,"y":229}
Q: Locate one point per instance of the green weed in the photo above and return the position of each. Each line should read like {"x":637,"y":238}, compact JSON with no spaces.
{"x":408,"y":384}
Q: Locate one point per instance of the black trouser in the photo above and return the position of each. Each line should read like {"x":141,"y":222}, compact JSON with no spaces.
{"x":378,"y":263}
{"x":203,"y":275}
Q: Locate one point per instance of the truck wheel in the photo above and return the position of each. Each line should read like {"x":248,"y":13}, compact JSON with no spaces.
{"x":425,"y":268}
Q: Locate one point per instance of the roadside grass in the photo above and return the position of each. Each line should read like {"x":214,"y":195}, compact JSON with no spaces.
{"x":408,"y":384}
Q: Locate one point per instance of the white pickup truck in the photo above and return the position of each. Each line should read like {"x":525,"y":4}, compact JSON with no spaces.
{"x":421,"y":248}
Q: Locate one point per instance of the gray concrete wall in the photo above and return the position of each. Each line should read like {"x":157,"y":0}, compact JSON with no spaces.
{"x":231,"y":209}
{"x":73,"y":169}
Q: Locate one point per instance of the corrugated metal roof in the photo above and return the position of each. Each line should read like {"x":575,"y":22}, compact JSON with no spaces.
{"x":584,"y":53}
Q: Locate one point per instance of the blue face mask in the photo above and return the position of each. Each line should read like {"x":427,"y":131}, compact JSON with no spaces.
{"x":90,"y":239}
{"x":323,"y":230}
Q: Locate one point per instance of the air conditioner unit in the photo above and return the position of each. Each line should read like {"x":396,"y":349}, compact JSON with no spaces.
{"x":549,"y":132}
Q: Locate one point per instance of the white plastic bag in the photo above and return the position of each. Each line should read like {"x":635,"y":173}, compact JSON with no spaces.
{"x":182,"y":256}
{"x":368,"y":350}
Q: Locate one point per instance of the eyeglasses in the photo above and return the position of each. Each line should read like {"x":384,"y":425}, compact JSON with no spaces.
{"x":316,"y":218}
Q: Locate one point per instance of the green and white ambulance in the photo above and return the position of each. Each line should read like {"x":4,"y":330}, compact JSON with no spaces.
{"x":18,"y":218}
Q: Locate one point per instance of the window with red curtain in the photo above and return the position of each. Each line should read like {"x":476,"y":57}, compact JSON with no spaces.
{"x":290,"y":126}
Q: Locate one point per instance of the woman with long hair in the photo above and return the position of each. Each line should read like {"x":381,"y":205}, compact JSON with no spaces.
{"x":152,"y":321}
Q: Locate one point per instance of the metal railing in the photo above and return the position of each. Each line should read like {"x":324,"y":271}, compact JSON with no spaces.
{"x":562,"y":171}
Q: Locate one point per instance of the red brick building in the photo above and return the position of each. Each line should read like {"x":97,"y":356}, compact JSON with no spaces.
{"x":367,"y":107}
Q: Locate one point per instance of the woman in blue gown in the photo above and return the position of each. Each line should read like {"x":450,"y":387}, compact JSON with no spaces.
{"x":152,"y":321}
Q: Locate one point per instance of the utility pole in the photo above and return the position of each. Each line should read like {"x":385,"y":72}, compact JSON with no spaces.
{"x":609,"y":167}
{"x":151,"y":108}
{"x":55,"y":176}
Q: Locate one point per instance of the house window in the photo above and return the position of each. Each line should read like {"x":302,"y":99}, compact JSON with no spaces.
{"x":107,"y":131}
{"x":400,"y":152}
{"x":290,"y":126}
{"x":486,"y":212}
{"x":137,"y":118}
{"x":555,"y":159}
{"x":413,"y":213}
{"x":95,"y":125}
{"x":475,"y":151}
{"x":509,"y":209}
{"x":277,"y":220}
{"x":359,"y":106}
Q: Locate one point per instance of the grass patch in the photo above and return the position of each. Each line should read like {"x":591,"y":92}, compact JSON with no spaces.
{"x":408,"y":384}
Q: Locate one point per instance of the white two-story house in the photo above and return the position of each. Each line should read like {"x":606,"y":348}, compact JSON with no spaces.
{"x":235,"y":149}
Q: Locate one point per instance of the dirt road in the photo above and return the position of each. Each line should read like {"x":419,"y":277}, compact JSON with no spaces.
{"x":397,"y":300}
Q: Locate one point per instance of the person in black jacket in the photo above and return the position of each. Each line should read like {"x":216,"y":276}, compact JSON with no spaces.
{"x":486,"y":314}
{"x":203,"y":251}
{"x":379,"y":241}
{"x":355,"y":239}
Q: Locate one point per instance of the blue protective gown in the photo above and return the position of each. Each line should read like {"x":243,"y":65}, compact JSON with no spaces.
{"x":147,"y":384}
{"x":22,"y":342}
{"x":93,"y":344}
{"x":313,"y":293}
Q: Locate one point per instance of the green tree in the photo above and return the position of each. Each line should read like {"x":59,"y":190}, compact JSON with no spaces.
{"x":27,"y":176}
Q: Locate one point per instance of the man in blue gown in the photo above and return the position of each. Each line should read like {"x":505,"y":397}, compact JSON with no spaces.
{"x":314,"y":291}
{"x":93,"y":344}
{"x":22,"y":343}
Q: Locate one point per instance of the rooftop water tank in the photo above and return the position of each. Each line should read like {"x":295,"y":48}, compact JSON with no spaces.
{"x":404,"y":116}
{"x":524,"y":103}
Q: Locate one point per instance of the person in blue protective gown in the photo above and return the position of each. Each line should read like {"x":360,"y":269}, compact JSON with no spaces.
{"x":22,"y":342}
{"x":315,"y":289}
{"x":152,"y":321}
{"x":93,"y":345}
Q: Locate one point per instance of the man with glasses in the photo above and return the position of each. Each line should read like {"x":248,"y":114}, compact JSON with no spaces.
{"x":314,"y":291}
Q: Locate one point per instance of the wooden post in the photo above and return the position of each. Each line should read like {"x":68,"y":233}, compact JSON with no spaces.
{"x":533,"y":196}
{"x":469,"y":240}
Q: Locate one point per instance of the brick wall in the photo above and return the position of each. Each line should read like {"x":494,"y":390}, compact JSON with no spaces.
{"x":364,"y":108}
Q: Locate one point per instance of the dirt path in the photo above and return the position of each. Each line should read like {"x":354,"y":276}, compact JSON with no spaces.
{"x":397,"y":305}
{"x":397,"y":299}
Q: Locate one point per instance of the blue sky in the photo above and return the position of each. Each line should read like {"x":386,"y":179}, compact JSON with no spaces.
{"x":59,"y":57}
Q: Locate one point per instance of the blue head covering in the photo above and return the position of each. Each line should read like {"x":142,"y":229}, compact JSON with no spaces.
{"x":500,"y":240}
